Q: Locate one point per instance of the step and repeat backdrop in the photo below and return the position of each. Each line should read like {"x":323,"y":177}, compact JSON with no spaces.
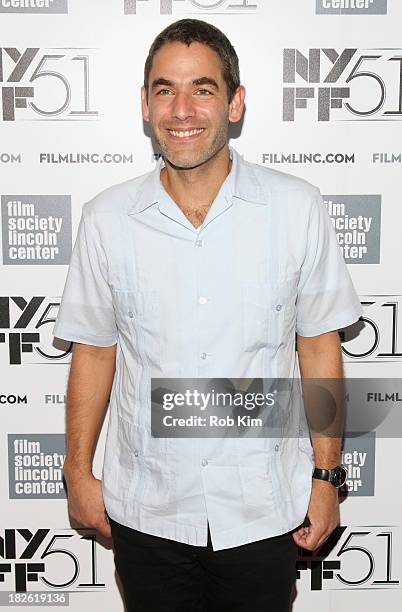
{"x":324,"y":101}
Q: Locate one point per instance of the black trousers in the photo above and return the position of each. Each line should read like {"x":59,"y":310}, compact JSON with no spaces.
{"x":162,"y":575}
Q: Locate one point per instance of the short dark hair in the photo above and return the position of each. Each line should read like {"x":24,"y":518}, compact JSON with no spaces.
{"x":188,"y":31}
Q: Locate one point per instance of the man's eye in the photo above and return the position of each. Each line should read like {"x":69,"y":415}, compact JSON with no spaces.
{"x":203,"y":91}
{"x":164,"y":92}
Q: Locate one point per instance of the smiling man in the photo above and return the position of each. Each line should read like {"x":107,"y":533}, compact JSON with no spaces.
{"x":189,"y":116}
{"x":206,"y":267}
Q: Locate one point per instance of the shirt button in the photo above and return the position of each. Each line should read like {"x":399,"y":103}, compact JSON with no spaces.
{"x":203,"y":355}
{"x":136,"y":453}
{"x":278,"y":307}
{"x":203,"y":300}
{"x":130,"y":314}
{"x":204,"y":462}
{"x":198,"y":243}
{"x":276,"y":447}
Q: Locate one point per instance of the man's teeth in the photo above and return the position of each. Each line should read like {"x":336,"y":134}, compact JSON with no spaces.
{"x":187,"y":133}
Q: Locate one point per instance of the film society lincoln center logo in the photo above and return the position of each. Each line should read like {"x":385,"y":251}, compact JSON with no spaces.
{"x":36,"y":229}
{"x":35,"y":466}
{"x":358,"y":457}
{"x":357,"y":222}
{"x":33,"y":6}
{"x":351,"y":7}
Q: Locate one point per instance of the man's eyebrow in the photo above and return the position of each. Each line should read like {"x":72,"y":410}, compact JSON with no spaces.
{"x":161,"y":81}
{"x":200,"y":81}
{"x":206,"y":81}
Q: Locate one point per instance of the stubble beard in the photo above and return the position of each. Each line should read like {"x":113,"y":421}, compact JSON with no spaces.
{"x":192,"y":160}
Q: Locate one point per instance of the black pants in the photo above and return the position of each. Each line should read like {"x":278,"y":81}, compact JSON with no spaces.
{"x":162,"y":575}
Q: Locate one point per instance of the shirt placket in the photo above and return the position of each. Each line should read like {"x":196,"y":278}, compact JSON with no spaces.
{"x":203,"y":305}
{"x":206,"y":311}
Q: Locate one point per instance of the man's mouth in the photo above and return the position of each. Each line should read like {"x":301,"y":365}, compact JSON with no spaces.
{"x":186,"y":133}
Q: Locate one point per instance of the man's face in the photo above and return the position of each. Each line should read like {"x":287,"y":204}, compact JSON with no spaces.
{"x":187,"y":107}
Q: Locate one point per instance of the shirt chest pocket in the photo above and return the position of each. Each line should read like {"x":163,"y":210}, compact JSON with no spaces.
{"x":138,"y":318}
{"x":268,"y":313}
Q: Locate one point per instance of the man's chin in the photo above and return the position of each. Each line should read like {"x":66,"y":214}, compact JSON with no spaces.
{"x":182,"y":162}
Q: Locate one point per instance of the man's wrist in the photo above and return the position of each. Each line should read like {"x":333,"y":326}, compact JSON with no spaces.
{"x":73,"y":470}
{"x":327,"y":461}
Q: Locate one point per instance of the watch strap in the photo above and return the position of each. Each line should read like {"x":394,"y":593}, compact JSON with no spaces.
{"x":336,"y":476}
{"x":322,"y":474}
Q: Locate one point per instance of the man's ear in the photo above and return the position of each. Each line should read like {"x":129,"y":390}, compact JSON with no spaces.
{"x":144,"y":104}
{"x":236,"y":106}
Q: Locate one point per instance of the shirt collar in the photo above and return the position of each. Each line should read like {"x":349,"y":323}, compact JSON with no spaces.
{"x":241,"y":183}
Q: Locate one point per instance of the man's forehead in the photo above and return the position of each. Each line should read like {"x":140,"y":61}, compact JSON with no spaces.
{"x":179,"y":57}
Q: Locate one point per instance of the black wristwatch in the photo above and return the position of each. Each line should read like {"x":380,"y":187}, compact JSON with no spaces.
{"x":336,"y":476}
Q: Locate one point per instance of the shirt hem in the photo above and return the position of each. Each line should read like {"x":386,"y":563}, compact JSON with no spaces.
{"x":330,"y":324}
{"x":77,"y":337}
{"x":265,"y":527}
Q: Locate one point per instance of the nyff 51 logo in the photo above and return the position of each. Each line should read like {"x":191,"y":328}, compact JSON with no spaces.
{"x":377,"y":336}
{"x":345,"y":85}
{"x":360,"y":557}
{"x":169,"y":7}
{"x":49,"y":559}
{"x":26,"y":327}
{"x":38,"y":84}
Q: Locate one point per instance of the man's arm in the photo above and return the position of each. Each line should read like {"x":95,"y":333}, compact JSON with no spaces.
{"x":321,"y":357}
{"x":89,"y":385}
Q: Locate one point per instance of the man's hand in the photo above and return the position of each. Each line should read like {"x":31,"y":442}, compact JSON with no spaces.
{"x":85,"y":503}
{"x":323,"y":514}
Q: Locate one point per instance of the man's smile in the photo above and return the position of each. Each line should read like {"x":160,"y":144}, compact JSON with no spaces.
{"x":187,"y":134}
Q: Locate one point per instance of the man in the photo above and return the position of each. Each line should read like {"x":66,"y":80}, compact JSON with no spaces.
{"x":203,"y":268}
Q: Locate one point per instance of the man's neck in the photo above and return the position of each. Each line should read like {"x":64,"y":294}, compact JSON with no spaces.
{"x":195,"y":187}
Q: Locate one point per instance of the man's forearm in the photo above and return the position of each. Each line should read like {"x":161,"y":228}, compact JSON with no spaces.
{"x":321,"y":357}
{"x":90,"y":381}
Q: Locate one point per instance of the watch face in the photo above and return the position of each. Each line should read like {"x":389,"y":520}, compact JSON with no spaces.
{"x":339,"y":477}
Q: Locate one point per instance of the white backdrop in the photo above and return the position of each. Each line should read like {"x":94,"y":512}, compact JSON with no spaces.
{"x":70,"y":77}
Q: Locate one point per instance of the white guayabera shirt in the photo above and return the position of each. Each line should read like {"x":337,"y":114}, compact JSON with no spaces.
{"x":222,"y":300}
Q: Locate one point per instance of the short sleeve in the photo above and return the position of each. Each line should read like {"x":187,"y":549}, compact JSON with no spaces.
{"x":86,"y":313}
{"x":326,"y":300}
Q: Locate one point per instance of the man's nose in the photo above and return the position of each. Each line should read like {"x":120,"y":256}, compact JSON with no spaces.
{"x":183,"y":106}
